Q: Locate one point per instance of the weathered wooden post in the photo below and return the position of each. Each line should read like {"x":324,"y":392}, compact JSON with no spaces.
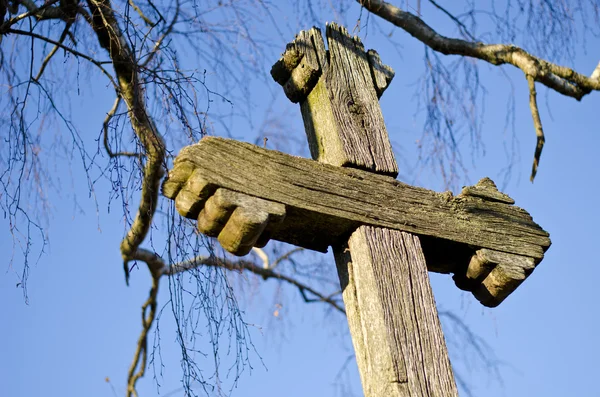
{"x":396,"y":332}
{"x":385,"y":235}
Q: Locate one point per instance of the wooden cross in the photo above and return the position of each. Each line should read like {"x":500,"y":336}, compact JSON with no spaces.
{"x":385,"y":234}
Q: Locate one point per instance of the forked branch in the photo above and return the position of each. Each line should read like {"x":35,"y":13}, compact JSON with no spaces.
{"x":159,"y":268}
{"x":563,"y":80}
{"x":264,"y":272}
{"x":559,"y":78}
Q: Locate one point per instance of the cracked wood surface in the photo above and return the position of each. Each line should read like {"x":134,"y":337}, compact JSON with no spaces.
{"x":325,"y":204}
{"x":396,"y":333}
{"x":374,"y":223}
{"x":399,"y":343}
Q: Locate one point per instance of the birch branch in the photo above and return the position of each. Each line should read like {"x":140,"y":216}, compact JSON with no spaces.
{"x":158,"y":268}
{"x":559,"y":78}
{"x":113,"y":40}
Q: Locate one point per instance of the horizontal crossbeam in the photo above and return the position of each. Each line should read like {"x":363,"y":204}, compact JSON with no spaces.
{"x":325,"y":204}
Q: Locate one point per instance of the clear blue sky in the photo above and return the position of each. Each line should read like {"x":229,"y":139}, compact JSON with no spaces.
{"x":82,"y":322}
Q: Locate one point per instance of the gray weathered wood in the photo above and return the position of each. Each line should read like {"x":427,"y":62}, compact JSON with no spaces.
{"x":400,"y":347}
{"x":238,"y":220}
{"x":395,"y":329}
{"x":195,"y":191}
{"x":484,"y":217}
{"x":355,"y":106}
{"x":487,"y":190}
{"x":246,"y":195}
{"x":506,"y":273}
{"x":325,"y":203}
{"x":343,"y":122}
{"x":299,"y":68}
{"x":382,"y":74}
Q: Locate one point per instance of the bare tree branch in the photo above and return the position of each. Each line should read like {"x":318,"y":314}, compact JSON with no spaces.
{"x":265,"y":273}
{"x":112,"y":39}
{"x":105,"y":125}
{"x":97,"y":63}
{"x":164,"y":35}
{"x":564,"y":80}
{"x":141,"y":353}
{"x":53,"y":51}
{"x":45,"y":11}
{"x":559,"y":78}
{"x":141,"y":14}
{"x":158,"y":268}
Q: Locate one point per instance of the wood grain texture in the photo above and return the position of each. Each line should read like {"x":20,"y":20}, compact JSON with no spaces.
{"x":342,"y":118}
{"x":382,"y":74}
{"x":325,"y":203}
{"x":320,"y":125}
{"x":393,"y":320}
{"x":355,"y":106}
{"x":507,"y":273}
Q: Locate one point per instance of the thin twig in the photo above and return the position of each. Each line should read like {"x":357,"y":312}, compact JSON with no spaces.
{"x":72,"y":51}
{"x":166,"y":33}
{"x":537,"y":123}
{"x":105,"y":124}
{"x":253,"y":268}
{"x":46,"y":60}
{"x":286,"y":256}
{"x":461,"y":25}
{"x":141,"y":14}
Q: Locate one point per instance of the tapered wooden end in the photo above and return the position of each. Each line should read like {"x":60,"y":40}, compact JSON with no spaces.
{"x":382,"y":74}
{"x":492,"y":275}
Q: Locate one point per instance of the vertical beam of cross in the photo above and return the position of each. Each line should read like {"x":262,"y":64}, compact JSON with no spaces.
{"x":396,"y":332}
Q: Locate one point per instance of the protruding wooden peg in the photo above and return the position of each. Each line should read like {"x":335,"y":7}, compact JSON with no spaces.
{"x":176,"y":179}
{"x":239,"y":220}
{"x":214,"y":215}
{"x":281,"y":71}
{"x":301,"y":82}
{"x":193,"y":195}
{"x":505,"y":272}
{"x":479,"y":266}
{"x":299,"y":68}
{"x":242,"y":230}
